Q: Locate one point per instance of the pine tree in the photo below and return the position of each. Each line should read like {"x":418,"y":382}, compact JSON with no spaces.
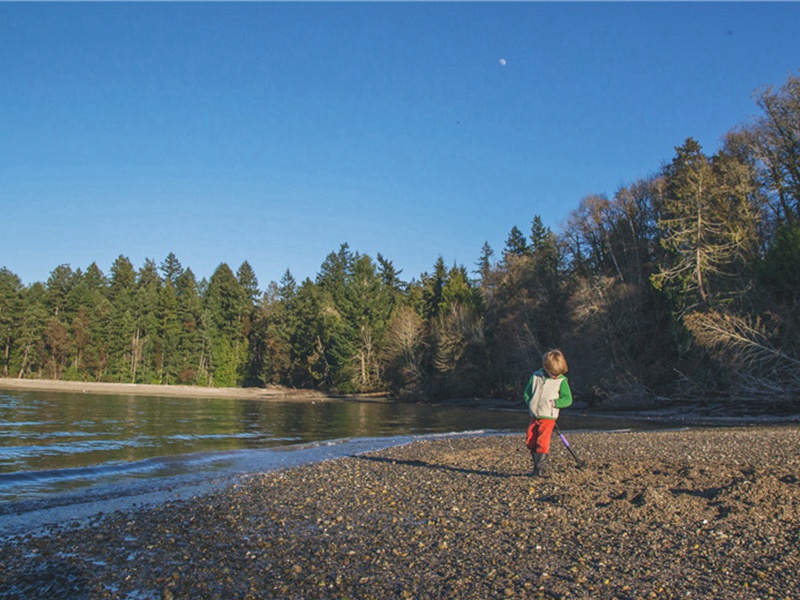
{"x":192,"y":342}
{"x":94,"y":279}
{"x":122,"y":325}
{"x":171,"y":268}
{"x":337,"y":339}
{"x":390,"y":276}
{"x":432,"y":287}
{"x":59,"y":285}
{"x":168,"y":333}
{"x":287,"y":288}
{"x":310,"y":364}
{"x":11,"y":311}
{"x":146,"y":346}
{"x":484,"y":263}
{"x":249,"y":282}
{"x":226,"y":308}
{"x":85,"y":313}
{"x":458,"y":289}
{"x":32,"y":357}
{"x":270,"y":350}
{"x":516,"y":244}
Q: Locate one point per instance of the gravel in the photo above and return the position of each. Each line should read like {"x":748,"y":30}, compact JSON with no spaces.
{"x":700,"y":513}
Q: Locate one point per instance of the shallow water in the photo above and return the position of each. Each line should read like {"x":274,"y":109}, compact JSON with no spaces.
{"x":51,"y":443}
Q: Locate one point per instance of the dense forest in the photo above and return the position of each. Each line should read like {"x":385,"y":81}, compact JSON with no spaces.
{"x":682,"y":285}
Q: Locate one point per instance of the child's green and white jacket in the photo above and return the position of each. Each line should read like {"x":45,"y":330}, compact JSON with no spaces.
{"x":545,"y":395}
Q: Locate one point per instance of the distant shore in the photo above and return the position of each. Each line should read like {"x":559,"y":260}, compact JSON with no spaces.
{"x":140,"y":389}
{"x":268,"y":393}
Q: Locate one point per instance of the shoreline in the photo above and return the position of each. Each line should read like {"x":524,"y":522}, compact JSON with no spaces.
{"x":32,"y":515}
{"x":269,"y":393}
{"x":668,"y":514}
{"x":702,"y":414}
{"x":143,"y":389}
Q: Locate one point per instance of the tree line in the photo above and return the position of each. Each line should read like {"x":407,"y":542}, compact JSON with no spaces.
{"x":682,"y":284}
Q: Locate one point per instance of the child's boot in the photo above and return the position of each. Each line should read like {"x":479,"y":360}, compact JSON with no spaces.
{"x":539,"y":460}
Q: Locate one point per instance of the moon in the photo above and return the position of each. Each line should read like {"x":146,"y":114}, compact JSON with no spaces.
{"x":503,"y":62}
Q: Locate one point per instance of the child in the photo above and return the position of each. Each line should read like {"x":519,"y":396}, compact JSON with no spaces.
{"x":547,"y":392}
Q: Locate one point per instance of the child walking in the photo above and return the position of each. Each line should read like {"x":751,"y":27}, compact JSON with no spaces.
{"x":546,"y":393}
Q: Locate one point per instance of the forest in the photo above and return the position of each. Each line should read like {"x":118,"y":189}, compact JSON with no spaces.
{"x":681,"y":286}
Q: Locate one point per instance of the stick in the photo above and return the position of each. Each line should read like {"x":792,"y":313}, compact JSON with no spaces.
{"x":580,"y":463}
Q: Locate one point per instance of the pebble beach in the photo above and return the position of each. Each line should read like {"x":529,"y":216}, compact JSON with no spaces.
{"x":695,"y":513}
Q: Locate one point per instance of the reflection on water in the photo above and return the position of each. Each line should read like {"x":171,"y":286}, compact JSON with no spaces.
{"x":56,"y":431}
{"x":64,"y":440}
{"x":50,"y":442}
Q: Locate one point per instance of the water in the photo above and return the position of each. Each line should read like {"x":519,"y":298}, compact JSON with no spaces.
{"x":53,"y":443}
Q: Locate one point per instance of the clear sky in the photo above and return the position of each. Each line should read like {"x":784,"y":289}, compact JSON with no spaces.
{"x":274,"y":132}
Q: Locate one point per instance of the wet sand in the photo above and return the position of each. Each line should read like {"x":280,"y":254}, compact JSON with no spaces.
{"x":702,"y":513}
{"x":138,"y":389}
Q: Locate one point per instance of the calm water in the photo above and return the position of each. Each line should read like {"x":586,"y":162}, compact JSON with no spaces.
{"x":52,"y":442}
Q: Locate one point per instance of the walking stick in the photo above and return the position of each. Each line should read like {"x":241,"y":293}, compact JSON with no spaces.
{"x":580,"y":463}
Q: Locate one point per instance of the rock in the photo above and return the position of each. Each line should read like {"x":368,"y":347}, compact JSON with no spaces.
{"x":459,"y":519}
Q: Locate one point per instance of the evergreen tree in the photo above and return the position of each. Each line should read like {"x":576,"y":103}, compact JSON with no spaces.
{"x":192,"y":343}
{"x":390,"y":276}
{"x":545,"y":252}
{"x":171,"y":268}
{"x":123,"y":277}
{"x":146,"y":347}
{"x":484,"y":263}
{"x":86,"y":315}
{"x":432,"y":288}
{"x":32,"y":358}
{"x":94,"y":279}
{"x":168,"y":334}
{"x":226,"y":308}
{"x":122,"y":330}
{"x":701,"y":234}
{"x":373,"y":302}
{"x":270,"y":347}
{"x":309,"y":339}
{"x":249,"y":282}
{"x":11,"y":312}
{"x":59,"y":285}
{"x":337,"y":341}
{"x":516,"y":244}
{"x":56,"y":347}
{"x":80,"y":333}
{"x":780,"y":269}
{"x":458,"y":289}
{"x":287,"y":288}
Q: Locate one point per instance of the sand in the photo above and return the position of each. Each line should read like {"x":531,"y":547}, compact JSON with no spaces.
{"x":185,"y":391}
{"x":697,"y":513}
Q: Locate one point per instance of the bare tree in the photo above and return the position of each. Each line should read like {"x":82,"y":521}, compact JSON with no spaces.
{"x":774,"y":140}
{"x":404,"y":350}
{"x":742,"y":341}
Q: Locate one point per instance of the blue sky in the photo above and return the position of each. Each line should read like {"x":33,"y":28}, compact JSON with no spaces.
{"x":274,"y":132}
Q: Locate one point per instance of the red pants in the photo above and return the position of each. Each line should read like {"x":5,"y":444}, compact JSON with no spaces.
{"x":539,"y":432}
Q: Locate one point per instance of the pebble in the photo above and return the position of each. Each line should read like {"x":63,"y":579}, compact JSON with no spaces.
{"x":456,"y":518}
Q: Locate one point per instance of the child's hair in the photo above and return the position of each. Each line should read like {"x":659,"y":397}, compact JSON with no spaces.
{"x":554,"y":363}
